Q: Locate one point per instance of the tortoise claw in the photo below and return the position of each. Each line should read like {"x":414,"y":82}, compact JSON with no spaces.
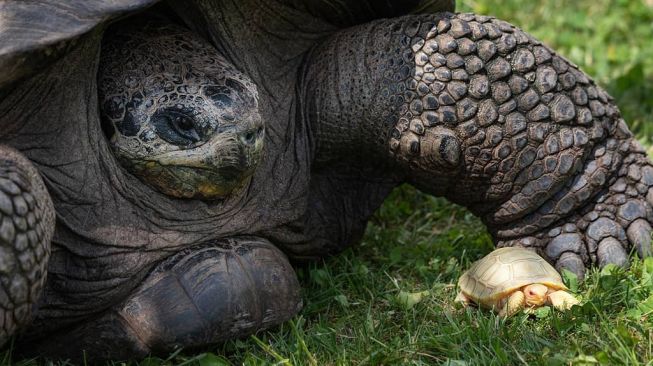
{"x":639,"y":234}
{"x":611,"y":251}
{"x":571,"y":262}
{"x":614,"y":223}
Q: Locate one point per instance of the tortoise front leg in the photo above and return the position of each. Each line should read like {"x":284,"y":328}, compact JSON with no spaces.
{"x":514,"y":303}
{"x":26,"y":226}
{"x":562,"y":300}
{"x":473,"y":109}
{"x":463,"y":300}
{"x":203,"y":295}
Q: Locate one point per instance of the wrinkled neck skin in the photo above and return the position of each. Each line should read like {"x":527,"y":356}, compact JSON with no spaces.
{"x":464,"y":107}
{"x":352,"y":93}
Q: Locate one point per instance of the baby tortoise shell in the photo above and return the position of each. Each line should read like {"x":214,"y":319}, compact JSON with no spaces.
{"x":493,"y":279}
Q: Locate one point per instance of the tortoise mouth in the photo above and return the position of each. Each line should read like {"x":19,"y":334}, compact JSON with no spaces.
{"x":191,"y":182}
{"x":535,"y":294}
{"x":208,"y":172}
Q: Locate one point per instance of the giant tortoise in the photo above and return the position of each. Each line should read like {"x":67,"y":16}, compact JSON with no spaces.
{"x":162,"y":164}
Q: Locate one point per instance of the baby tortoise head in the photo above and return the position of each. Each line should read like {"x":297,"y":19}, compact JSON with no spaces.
{"x":177,"y":114}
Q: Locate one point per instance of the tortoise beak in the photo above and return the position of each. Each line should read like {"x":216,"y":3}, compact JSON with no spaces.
{"x":535,"y":294}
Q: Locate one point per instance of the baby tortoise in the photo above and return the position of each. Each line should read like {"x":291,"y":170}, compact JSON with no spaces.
{"x":510,"y":279}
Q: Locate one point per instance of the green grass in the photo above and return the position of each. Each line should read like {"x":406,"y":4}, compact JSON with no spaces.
{"x":389,"y":300}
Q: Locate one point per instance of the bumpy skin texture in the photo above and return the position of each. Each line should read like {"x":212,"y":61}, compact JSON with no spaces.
{"x":482,"y":113}
{"x":26,"y":227}
{"x":177,"y":114}
{"x":341,"y":109}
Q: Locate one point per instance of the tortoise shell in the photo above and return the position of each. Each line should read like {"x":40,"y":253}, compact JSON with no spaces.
{"x":504,"y":271}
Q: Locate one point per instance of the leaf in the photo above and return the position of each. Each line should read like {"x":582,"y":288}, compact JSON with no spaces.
{"x":362,"y":270}
{"x":625,"y":335}
{"x":542,"y":312}
{"x":634,"y":314}
{"x":602,"y":357}
{"x":409,"y":299}
{"x":211,"y":359}
{"x":609,"y":269}
{"x":582,"y":360}
{"x":342,"y":300}
{"x":646,"y":277}
{"x":585,"y":328}
{"x":608,"y":282}
{"x":646,"y":306}
{"x":570,"y":279}
{"x":648,"y":265}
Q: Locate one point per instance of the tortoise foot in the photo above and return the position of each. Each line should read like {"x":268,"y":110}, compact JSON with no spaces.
{"x":200,"y":296}
{"x":612,"y":225}
{"x":562,"y":300}
{"x":26,"y":228}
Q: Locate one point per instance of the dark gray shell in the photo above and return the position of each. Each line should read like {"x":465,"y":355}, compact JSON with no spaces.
{"x":35,"y":33}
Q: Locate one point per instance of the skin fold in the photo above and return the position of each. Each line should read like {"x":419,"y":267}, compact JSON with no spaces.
{"x":354,"y":99}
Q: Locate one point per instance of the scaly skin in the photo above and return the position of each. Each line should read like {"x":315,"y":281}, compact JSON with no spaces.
{"x":473,"y":109}
{"x":26,"y":228}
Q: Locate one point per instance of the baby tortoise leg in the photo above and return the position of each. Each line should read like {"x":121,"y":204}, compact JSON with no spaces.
{"x":463,"y":300}
{"x":223,"y":290}
{"x":514,"y":303}
{"x":26,"y":227}
{"x":562,"y":300}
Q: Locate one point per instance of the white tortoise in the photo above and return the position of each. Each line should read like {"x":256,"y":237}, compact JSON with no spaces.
{"x":512,"y":278}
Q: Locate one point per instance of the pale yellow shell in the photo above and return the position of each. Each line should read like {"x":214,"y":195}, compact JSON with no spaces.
{"x":505,"y":270}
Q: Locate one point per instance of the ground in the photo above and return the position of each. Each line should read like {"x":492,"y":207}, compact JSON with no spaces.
{"x":390,"y":300}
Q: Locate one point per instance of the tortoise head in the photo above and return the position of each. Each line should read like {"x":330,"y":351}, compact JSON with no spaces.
{"x":535,"y":294}
{"x":177,"y":114}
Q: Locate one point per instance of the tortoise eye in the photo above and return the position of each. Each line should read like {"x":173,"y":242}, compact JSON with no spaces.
{"x":176,"y":128}
{"x":185,"y":127}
